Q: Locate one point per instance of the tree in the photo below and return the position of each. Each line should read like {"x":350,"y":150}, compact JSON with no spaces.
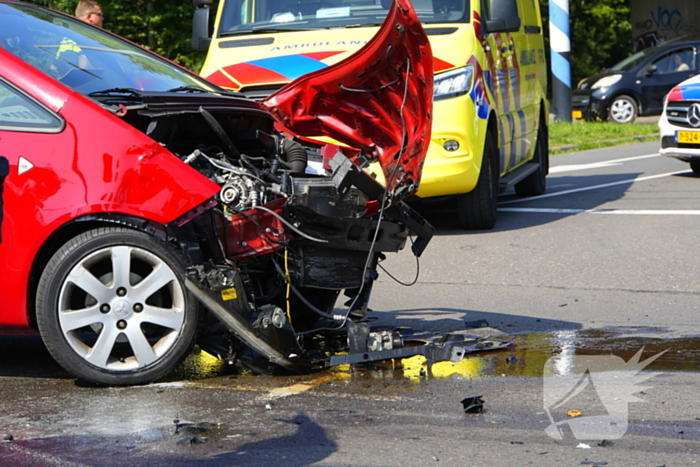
{"x":601,"y":34}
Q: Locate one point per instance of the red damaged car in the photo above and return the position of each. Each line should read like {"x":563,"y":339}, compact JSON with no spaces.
{"x":144,"y":210}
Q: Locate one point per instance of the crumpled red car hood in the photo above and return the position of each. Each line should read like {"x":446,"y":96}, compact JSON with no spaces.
{"x":378,"y":100}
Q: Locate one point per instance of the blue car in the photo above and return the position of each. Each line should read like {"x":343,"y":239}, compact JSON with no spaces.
{"x":637,"y":85}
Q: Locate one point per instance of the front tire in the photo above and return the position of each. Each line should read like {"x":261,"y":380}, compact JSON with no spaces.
{"x":112,"y":308}
{"x":476,"y":210}
{"x":695,"y":166}
{"x":623,"y":110}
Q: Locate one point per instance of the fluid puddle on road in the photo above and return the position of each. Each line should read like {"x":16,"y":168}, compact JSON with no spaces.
{"x":527,"y":357}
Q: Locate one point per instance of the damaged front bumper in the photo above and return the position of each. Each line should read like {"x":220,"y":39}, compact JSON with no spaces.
{"x":331,"y":253}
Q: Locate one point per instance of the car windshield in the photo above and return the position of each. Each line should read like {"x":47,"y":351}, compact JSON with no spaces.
{"x":266,"y":16}
{"x":85,"y":58}
{"x":632,"y":61}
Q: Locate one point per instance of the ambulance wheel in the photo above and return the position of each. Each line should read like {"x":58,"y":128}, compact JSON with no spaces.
{"x":623,"y":110}
{"x":535,"y":184}
{"x":112,"y":308}
{"x":476,"y":210}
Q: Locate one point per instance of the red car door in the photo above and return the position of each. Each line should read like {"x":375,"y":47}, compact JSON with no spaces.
{"x":30,"y":132}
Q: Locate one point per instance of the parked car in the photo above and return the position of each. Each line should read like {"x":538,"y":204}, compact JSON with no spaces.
{"x":636,"y":86}
{"x":144,"y":209}
{"x":680,"y":123}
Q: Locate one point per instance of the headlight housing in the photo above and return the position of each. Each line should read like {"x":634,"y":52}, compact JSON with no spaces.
{"x":453,"y":83}
{"x":606,"y":81}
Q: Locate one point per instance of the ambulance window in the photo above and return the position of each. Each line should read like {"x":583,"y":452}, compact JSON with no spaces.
{"x":501,"y":15}
{"x":243,"y":16}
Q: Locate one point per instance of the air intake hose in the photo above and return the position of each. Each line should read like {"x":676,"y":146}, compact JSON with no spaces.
{"x":295,"y":155}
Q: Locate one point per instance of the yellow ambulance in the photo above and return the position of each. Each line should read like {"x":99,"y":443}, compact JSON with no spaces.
{"x":489,"y":130}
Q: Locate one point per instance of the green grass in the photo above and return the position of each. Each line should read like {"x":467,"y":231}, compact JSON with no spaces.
{"x":579,"y":135}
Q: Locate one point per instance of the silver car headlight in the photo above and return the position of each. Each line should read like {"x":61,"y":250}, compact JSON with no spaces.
{"x":453,"y":83}
{"x":606,"y":82}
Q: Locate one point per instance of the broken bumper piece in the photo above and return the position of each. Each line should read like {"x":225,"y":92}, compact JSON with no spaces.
{"x":435,"y":347}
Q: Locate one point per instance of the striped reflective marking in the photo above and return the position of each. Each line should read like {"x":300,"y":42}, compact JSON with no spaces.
{"x":513,"y":153}
{"x":478,"y":93}
{"x":687,"y":93}
{"x":515,"y":73}
{"x":221,"y":79}
{"x":278,"y":69}
{"x":248,"y":74}
{"x":523,"y":133}
{"x":291,"y":66}
{"x":559,"y":40}
{"x":441,"y":65}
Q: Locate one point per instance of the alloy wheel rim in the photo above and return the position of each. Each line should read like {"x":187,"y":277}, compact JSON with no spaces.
{"x":121,"y":308}
{"x":622,"y":111}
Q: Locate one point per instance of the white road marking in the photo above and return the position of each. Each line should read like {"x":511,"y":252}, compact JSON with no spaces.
{"x":597,"y":165}
{"x":594,"y":187}
{"x":641,"y":212}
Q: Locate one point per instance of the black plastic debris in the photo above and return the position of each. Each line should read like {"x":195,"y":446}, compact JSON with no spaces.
{"x":8,"y":438}
{"x":192,"y":440}
{"x":516,"y":442}
{"x":193,"y":428}
{"x":473,"y":404}
{"x":605,"y":443}
{"x":478,"y":323}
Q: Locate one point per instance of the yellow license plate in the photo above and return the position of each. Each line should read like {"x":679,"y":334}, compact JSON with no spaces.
{"x":576,"y":114}
{"x":691,"y":137}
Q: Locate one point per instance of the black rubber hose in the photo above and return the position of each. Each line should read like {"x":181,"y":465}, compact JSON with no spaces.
{"x":231,"y":149}
{"x":310,"y":305}
{"x":296,"y":155}
{"x":301,"y":297}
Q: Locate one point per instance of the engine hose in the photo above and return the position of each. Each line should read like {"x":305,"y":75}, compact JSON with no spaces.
{"x":301,"y":297}
{"x":231,"y":149}
{"x":296,"y":155}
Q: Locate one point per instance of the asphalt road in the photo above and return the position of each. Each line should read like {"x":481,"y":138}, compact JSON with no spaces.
{"x":601,"y":265}
{"x":611,"y":243}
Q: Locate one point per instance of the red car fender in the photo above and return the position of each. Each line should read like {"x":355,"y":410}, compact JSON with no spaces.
{"x":118,"y":169}
{"x":374,"y":100}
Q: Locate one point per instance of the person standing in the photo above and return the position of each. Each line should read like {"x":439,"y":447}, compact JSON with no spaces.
{"x":90,"y":11}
